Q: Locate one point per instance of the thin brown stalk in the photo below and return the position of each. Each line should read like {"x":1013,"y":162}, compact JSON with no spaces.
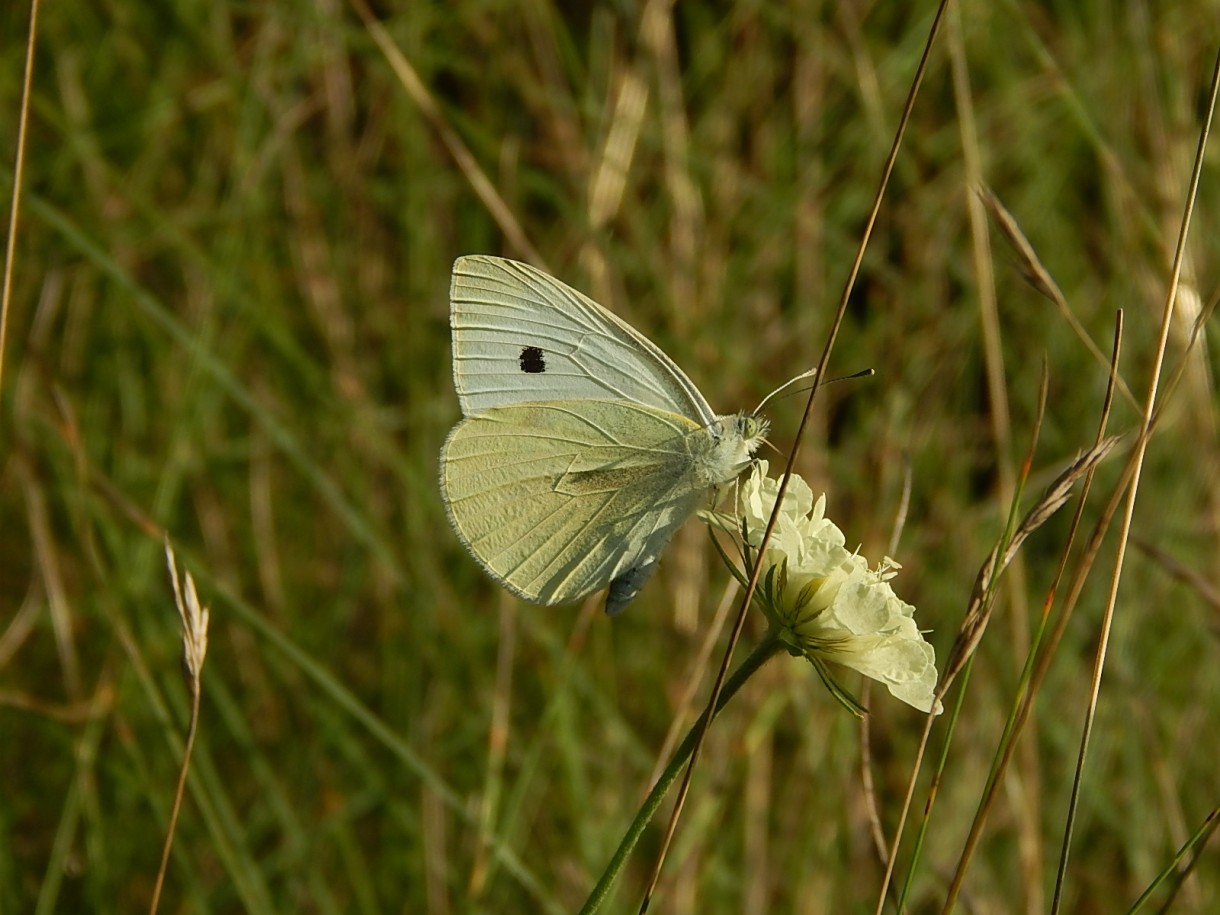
{"x":1184,"y":863}
{"x":462,"y":156}
{"x":1141,"y":447}
{"x":497,"y":745}
{"x":989,"y":312}
{"x":1027,"y":816}
{"x":194,"y":618}
{"x":969,"y":633}
{"x":1016,"y":723}
{"x":739,"y":623}
{"x":686,"y":229}
{"x":978,"y":612}
{"x":47,"y":551}
{"x":608,"y":175}
{"x":1179,"y":571}
{"x":23,"y":118}
{"x":693,"y":678}
{"x":1089,"y":554}
{"x":904,"y":506}
{"x":1036,"y":274}
{"x":608,"y":171}
{"x":872,"y":810}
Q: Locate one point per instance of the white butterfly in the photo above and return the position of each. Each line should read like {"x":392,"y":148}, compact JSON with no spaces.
{"x":583,"y":448}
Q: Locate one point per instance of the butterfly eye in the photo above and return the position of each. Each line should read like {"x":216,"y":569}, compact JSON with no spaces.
{"x":531,"y":361}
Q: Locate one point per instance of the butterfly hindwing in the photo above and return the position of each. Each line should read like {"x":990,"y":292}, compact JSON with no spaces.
{"x":558,"y":499}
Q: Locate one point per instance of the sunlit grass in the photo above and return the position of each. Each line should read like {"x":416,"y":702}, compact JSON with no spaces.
{"x":230,"y":325}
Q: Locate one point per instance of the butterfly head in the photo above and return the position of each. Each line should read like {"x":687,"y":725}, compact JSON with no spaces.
{"x":725,"y":449}
{"x":751,"y":429}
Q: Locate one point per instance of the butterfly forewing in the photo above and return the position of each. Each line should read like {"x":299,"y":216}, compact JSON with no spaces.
{"x":521,"y":336}
{"x":557,"y":499}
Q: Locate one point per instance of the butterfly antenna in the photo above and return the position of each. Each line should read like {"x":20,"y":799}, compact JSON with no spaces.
{"x":791,"y":381}
{"x":864,"y":373}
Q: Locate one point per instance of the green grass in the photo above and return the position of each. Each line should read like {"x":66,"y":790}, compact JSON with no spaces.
{"x":229,"y":325}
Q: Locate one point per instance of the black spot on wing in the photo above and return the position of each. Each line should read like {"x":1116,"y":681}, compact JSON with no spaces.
{"x":531,"y":360}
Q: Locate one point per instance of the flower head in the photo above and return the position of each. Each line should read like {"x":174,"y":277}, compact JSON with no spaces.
{"x":825,"y":602}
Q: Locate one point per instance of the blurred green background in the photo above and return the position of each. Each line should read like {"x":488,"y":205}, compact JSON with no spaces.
{"x":229,"y":327}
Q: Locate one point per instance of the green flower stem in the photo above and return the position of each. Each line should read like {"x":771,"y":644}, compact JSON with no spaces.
{"x":768,"y":647}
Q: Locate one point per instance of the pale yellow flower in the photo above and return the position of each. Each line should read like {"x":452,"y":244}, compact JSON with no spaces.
{"x":825,"y":602}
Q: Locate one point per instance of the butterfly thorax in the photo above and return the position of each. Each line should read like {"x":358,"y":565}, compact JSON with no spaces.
{"x":724,"y":449}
